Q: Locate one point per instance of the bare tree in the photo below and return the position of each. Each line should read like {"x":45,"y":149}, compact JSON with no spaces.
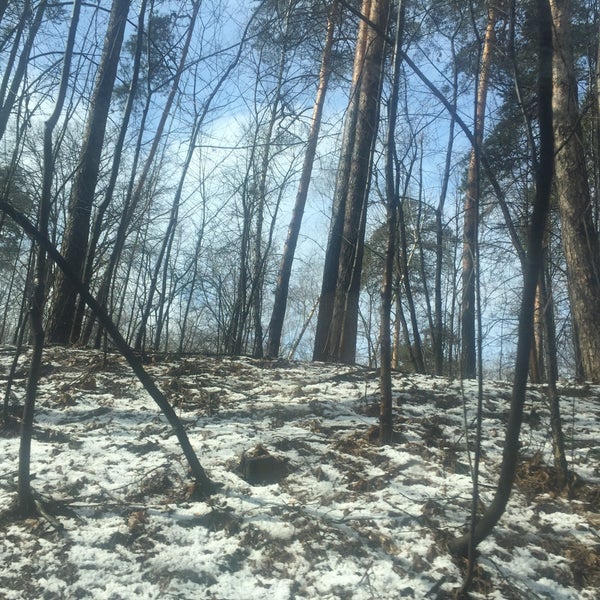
{"x":8,"y":92}
{"x":26,"y":501}
{"x":484,"y":526}
{"x":75,"y":241}
{"x":392,"y":201}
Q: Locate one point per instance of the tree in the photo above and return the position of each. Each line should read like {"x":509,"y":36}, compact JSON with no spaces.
{"x":471,"y":215}
{"x":392,"y":202}
{"x":26,"y":502}
{"x":75,"y":242}
{"x":335,"y":338}
{"x":110,"y":188}
{"x":9,"y":92}
{"x":285,"y":269}
{"x":544,"y":174}
{"x":579,"y":234}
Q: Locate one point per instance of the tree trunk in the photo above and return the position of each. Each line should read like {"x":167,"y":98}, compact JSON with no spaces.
{"x":26,"y":503}
{"x":535,"y":235}
{"x":471,"y":215}
{"x":75,"y":241}
{"x":114,"y":173}
{"x":579,"y":236}
{"x":285,"y":268}
{"x":438,"y":330}
{"x":338,"y":310}
{"x":386,"y":423}
{"x":536,"y":356}
{"x":417,"y":346}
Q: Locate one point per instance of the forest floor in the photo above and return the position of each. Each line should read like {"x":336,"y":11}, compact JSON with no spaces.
{"x":308,"y":506}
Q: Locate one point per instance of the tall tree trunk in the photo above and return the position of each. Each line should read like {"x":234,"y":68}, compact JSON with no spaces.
{"x":386,"y":424}
{"x":285,"y":268}
{"x":75,"y":241}
{"x":332,"y":254}
{"x":471,"y":215}
{"x":417,"y":346}
{"x":438,"y":330}
{"x":579,"y":236}
{"x":110,"y":188}
{"x":26,"y":503}
{"x":535,"y":236}
{"x":338,"y":310}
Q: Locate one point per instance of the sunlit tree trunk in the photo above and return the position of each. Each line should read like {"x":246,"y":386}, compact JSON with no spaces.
{"x":285,"y":269}
{"x":579,"y":236}
{"x":471,"y":214}
{"x":338,"y":310}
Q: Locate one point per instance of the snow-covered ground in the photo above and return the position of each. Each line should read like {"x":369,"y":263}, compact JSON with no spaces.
{"x":339,"y":516}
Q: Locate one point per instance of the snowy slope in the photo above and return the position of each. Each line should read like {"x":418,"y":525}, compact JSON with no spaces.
{"x":339,"y":517}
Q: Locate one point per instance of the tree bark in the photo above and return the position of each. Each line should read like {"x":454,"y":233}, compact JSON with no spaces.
{"x":535,"y":235}
{"x":287,"y":259}
{"x":75,"y":242}
{"x":386,"y":423}
{"x":579,"y":236}
{"x":471,"y":215}
{"x":26,"y":503}
{"x":338,"y":310}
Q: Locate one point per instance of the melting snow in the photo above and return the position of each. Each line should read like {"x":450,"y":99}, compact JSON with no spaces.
{"x":350,"y":520}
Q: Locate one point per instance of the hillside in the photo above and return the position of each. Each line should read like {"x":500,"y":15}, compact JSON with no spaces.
{"x":308,"y":507}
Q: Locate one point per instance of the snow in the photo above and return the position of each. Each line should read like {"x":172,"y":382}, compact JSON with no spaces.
{"x":351,"y":520}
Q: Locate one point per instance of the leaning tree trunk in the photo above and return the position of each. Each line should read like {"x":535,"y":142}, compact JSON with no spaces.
{"x":471,"y":215}
{"x":75,"y":242}
{"x":535,"y":236}
{"x":204,"y":486}
{"x":579,"y":235}
{"x":285,"y":268}
{"x":26,"y":503}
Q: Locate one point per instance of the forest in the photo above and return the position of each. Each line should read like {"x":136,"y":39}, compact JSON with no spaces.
{"x":209,"y":195}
